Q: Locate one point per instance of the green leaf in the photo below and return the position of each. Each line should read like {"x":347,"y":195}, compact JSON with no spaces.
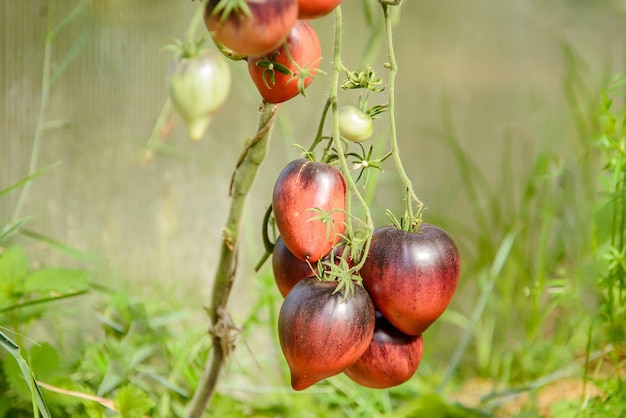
{"x":56,"y":280}
{"x":13,"y":268}
{"x":5,"y":405}
{"x":44,"y":361}
{"x":132,"y":402}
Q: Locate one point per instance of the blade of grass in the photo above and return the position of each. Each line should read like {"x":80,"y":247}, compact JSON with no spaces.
{"x":58,"y":245}
{"x":69,"y":18}
{"x":7,"y":231}
{"x":26,"y":179}
{"x":14,"y":350}
{"x":42,"y":300}
{"x":69,"y":57}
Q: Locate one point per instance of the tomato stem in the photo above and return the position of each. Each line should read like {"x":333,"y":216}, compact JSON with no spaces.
{"x":319,"y":135}
{"x":245,"y":174}
{"x":412,"y":220}
{"x":338,"y":68}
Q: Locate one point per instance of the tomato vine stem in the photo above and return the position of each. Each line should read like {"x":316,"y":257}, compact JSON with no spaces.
{"x":337,"y":69}
{"x":222,"y":327}
{"x":412,"y":220}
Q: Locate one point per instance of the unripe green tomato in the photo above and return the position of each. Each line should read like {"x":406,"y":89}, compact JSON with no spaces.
{"x":354,"y":124}
{"x":198,"y":86}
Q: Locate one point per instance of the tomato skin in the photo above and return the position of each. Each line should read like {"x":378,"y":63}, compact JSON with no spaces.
{"x":303,"y":185}
{"x":354,"y":124}
{"x":391,"y":359}
{"x":320,"y":334}
{"x":288,"y":269}
{"x":305,"y":50}
{"x":265,"y":30}
{"x":313,"y":9}
{"x":198,"y":86}
{"x":411,"y":276}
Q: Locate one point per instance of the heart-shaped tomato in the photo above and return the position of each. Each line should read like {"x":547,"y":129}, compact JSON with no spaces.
{"x":309,"y":202}
{"x":411,"y":276}
{"x":320,"y":333}
{"x":197,"y":87}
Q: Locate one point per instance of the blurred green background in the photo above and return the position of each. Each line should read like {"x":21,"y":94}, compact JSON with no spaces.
{"x":495,"y":100}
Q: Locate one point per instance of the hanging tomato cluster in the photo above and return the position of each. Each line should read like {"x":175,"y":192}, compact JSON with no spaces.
{"x":372,"y":332}
{"x":282,"y":49}
{"x":352,"y":304}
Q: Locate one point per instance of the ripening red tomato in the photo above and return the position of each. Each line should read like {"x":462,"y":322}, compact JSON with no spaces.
{"x":285,"y":72}
{"x":302,"y":190}
{"x":263,"y":30}
{"x":411,"y":276}
{"x":312,"y":9}
{"x":391,"y":358}
{"x":320,"y":333}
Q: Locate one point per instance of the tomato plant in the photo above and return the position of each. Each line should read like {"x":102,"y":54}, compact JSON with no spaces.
{"x":312,"y":9}
{"x":309,"y":202}
{"x":322,"y":333}
{"x":253,"y":27}
{"x":285,"y":72}
{"x":411,"y":276}
{"x":391,"y":359}
{"x":198,"y":86}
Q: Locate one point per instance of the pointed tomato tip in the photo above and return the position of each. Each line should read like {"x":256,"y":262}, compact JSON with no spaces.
{"x":299,"y":383}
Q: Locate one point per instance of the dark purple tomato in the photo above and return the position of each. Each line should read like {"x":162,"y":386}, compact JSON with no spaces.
{"x":288,"y":269}
{"x":320,"y":334}
{"x":391,"y":358}
{"x":301,"y":186}
{"x":258,"y":34}
{"x":411,"y":276}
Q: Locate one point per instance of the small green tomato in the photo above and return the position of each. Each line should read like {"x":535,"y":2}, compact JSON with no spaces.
{"x":354,"y":124}
{"x":198,"y":86}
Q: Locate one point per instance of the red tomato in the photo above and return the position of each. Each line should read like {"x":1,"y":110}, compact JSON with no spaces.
{"x":321,"y":334}
{"x":288,"y":269}
{"x":285,"y":72}
{"x":311,"y":9}
{"x":391,"y":358}
{"x":301,"y":186}
{"x":263,"y":30}
{"x":411,"y":276}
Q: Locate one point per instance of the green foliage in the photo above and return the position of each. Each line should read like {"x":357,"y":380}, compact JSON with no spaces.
{"x":132,"y":402}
